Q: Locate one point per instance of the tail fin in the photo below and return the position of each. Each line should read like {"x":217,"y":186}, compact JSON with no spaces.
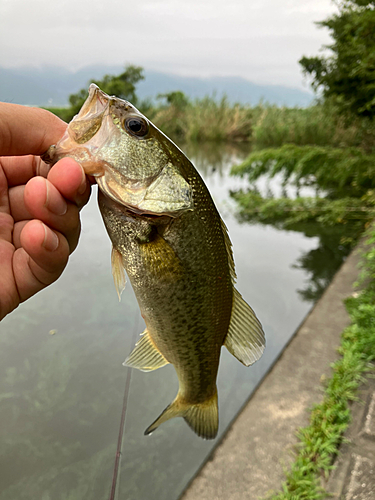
{"x":203,"y":418}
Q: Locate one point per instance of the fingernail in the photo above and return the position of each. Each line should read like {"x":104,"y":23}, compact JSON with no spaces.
{"x":51,"y":240}
{"x":83,"y":186}
{"x":55,"y":204}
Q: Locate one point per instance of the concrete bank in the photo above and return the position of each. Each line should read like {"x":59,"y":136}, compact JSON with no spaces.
{"x":249,"y":462}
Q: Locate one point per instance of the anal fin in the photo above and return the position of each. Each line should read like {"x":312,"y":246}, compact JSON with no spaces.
{"x":245,"y":338}
{"x":145,"y":356}
{"x":118,"y":271}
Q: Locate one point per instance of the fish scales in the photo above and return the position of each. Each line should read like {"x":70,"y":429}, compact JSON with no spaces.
{"x":167,"y":234}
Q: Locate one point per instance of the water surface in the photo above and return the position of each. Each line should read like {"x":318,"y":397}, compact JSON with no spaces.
{"x":62,"y":379}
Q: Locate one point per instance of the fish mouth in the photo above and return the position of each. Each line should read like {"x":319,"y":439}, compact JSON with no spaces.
{"x":97,"y":102}
{"x":90,"y":117}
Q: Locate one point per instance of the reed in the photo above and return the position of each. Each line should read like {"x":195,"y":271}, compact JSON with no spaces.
{"x":205,"y":119}
{"x":318,"y":125}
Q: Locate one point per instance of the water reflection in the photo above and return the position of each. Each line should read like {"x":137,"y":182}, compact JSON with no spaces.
{"x":320,"y":263}
{"x":61,"y":395}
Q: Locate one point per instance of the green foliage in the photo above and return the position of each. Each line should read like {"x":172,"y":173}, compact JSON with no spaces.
{"x":344,"y":203}
{"x":347,"y":75}
{"x":343,"y":172}
{"x":176,"y":98}
{"x":276,"y":126}
{"x":205,"y":119}
{"x":319,"y":125}
{"x":320,"y":440}
{"x":287,"y":213}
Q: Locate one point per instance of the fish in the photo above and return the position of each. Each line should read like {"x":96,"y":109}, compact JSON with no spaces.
{"x":168,"y":236}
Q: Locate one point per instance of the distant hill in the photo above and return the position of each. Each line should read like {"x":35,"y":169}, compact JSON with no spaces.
{"x":52,"y":85}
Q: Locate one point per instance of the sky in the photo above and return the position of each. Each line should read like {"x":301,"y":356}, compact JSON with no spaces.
{"x":260,"y":40}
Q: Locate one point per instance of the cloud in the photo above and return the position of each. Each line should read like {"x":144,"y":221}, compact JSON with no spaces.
{"x":260,"y":38}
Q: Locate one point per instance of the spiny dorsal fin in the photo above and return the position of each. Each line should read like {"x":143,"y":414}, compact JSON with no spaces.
{"x":228,"y":246}
{"x":202,"y":418}
{"x":118,"y":271}
{"x":245,"y":338}
{"x":145,"y":355}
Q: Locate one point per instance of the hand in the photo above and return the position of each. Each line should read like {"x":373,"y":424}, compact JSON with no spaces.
{"x":39,"y":217}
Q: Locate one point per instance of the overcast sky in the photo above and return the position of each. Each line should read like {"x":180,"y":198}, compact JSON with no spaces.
{"x":260,"y":40}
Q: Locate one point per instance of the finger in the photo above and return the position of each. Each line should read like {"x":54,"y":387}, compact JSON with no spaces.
{"x":8,"y":291}
{"x":4,"y":201}
{"x":41,"y":260}
{"x":69,"y":178}
{"x":6,"y":221}
{"x":20,"y":169}
{"x":17,"y":205}
{"x":25,"y":130}
{"x":17,"y":230}
{"x":45,"y":203}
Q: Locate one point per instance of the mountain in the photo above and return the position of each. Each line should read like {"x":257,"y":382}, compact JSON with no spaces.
{"x":52,"y":85}
{"x":237,"y":89}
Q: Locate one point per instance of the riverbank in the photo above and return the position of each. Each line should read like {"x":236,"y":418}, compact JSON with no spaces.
{"x":251,"y":460}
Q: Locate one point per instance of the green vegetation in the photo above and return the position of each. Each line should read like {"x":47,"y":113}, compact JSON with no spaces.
{"x":347,"y":75}
{"x":319,"y":442}
{"x":320,"y":125}
{"x":201,"y":120}
{"x":341,"y":204}
{"x":339,"y":171}
{"x":345,"y":178}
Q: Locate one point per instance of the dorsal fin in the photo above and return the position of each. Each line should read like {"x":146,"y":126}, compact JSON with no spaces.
{"x":245,"y":338}
{"x":145,"y":355}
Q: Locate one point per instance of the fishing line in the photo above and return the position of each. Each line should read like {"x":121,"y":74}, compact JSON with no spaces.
{"x":123,"y":416}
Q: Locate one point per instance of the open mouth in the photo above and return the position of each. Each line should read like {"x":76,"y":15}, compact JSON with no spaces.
{"x":88,"y":121}
{"x":97,"y":102}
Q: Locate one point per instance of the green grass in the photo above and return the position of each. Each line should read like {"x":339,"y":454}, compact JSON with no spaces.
{"x":318,"y":125}
{"x":206,"y":119}
{"x":320,"y":441}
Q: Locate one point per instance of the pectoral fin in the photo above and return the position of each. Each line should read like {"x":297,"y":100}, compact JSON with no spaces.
{"x":202,"y":417}
{"x":245,"y":338}
{"x":145,"y":356}
{"x":118,"y":271}
{"x":161,"y":261}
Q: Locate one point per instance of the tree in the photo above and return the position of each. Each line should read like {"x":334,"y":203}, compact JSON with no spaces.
{"x":175,"y":98}
{"x":122,"y":86}
{"x":348,"y":75}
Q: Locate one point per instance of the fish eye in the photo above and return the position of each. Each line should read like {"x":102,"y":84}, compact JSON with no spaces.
{"x":136,"y":125}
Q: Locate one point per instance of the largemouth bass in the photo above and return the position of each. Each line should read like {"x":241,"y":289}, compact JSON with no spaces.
{"x":170,"y":239}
